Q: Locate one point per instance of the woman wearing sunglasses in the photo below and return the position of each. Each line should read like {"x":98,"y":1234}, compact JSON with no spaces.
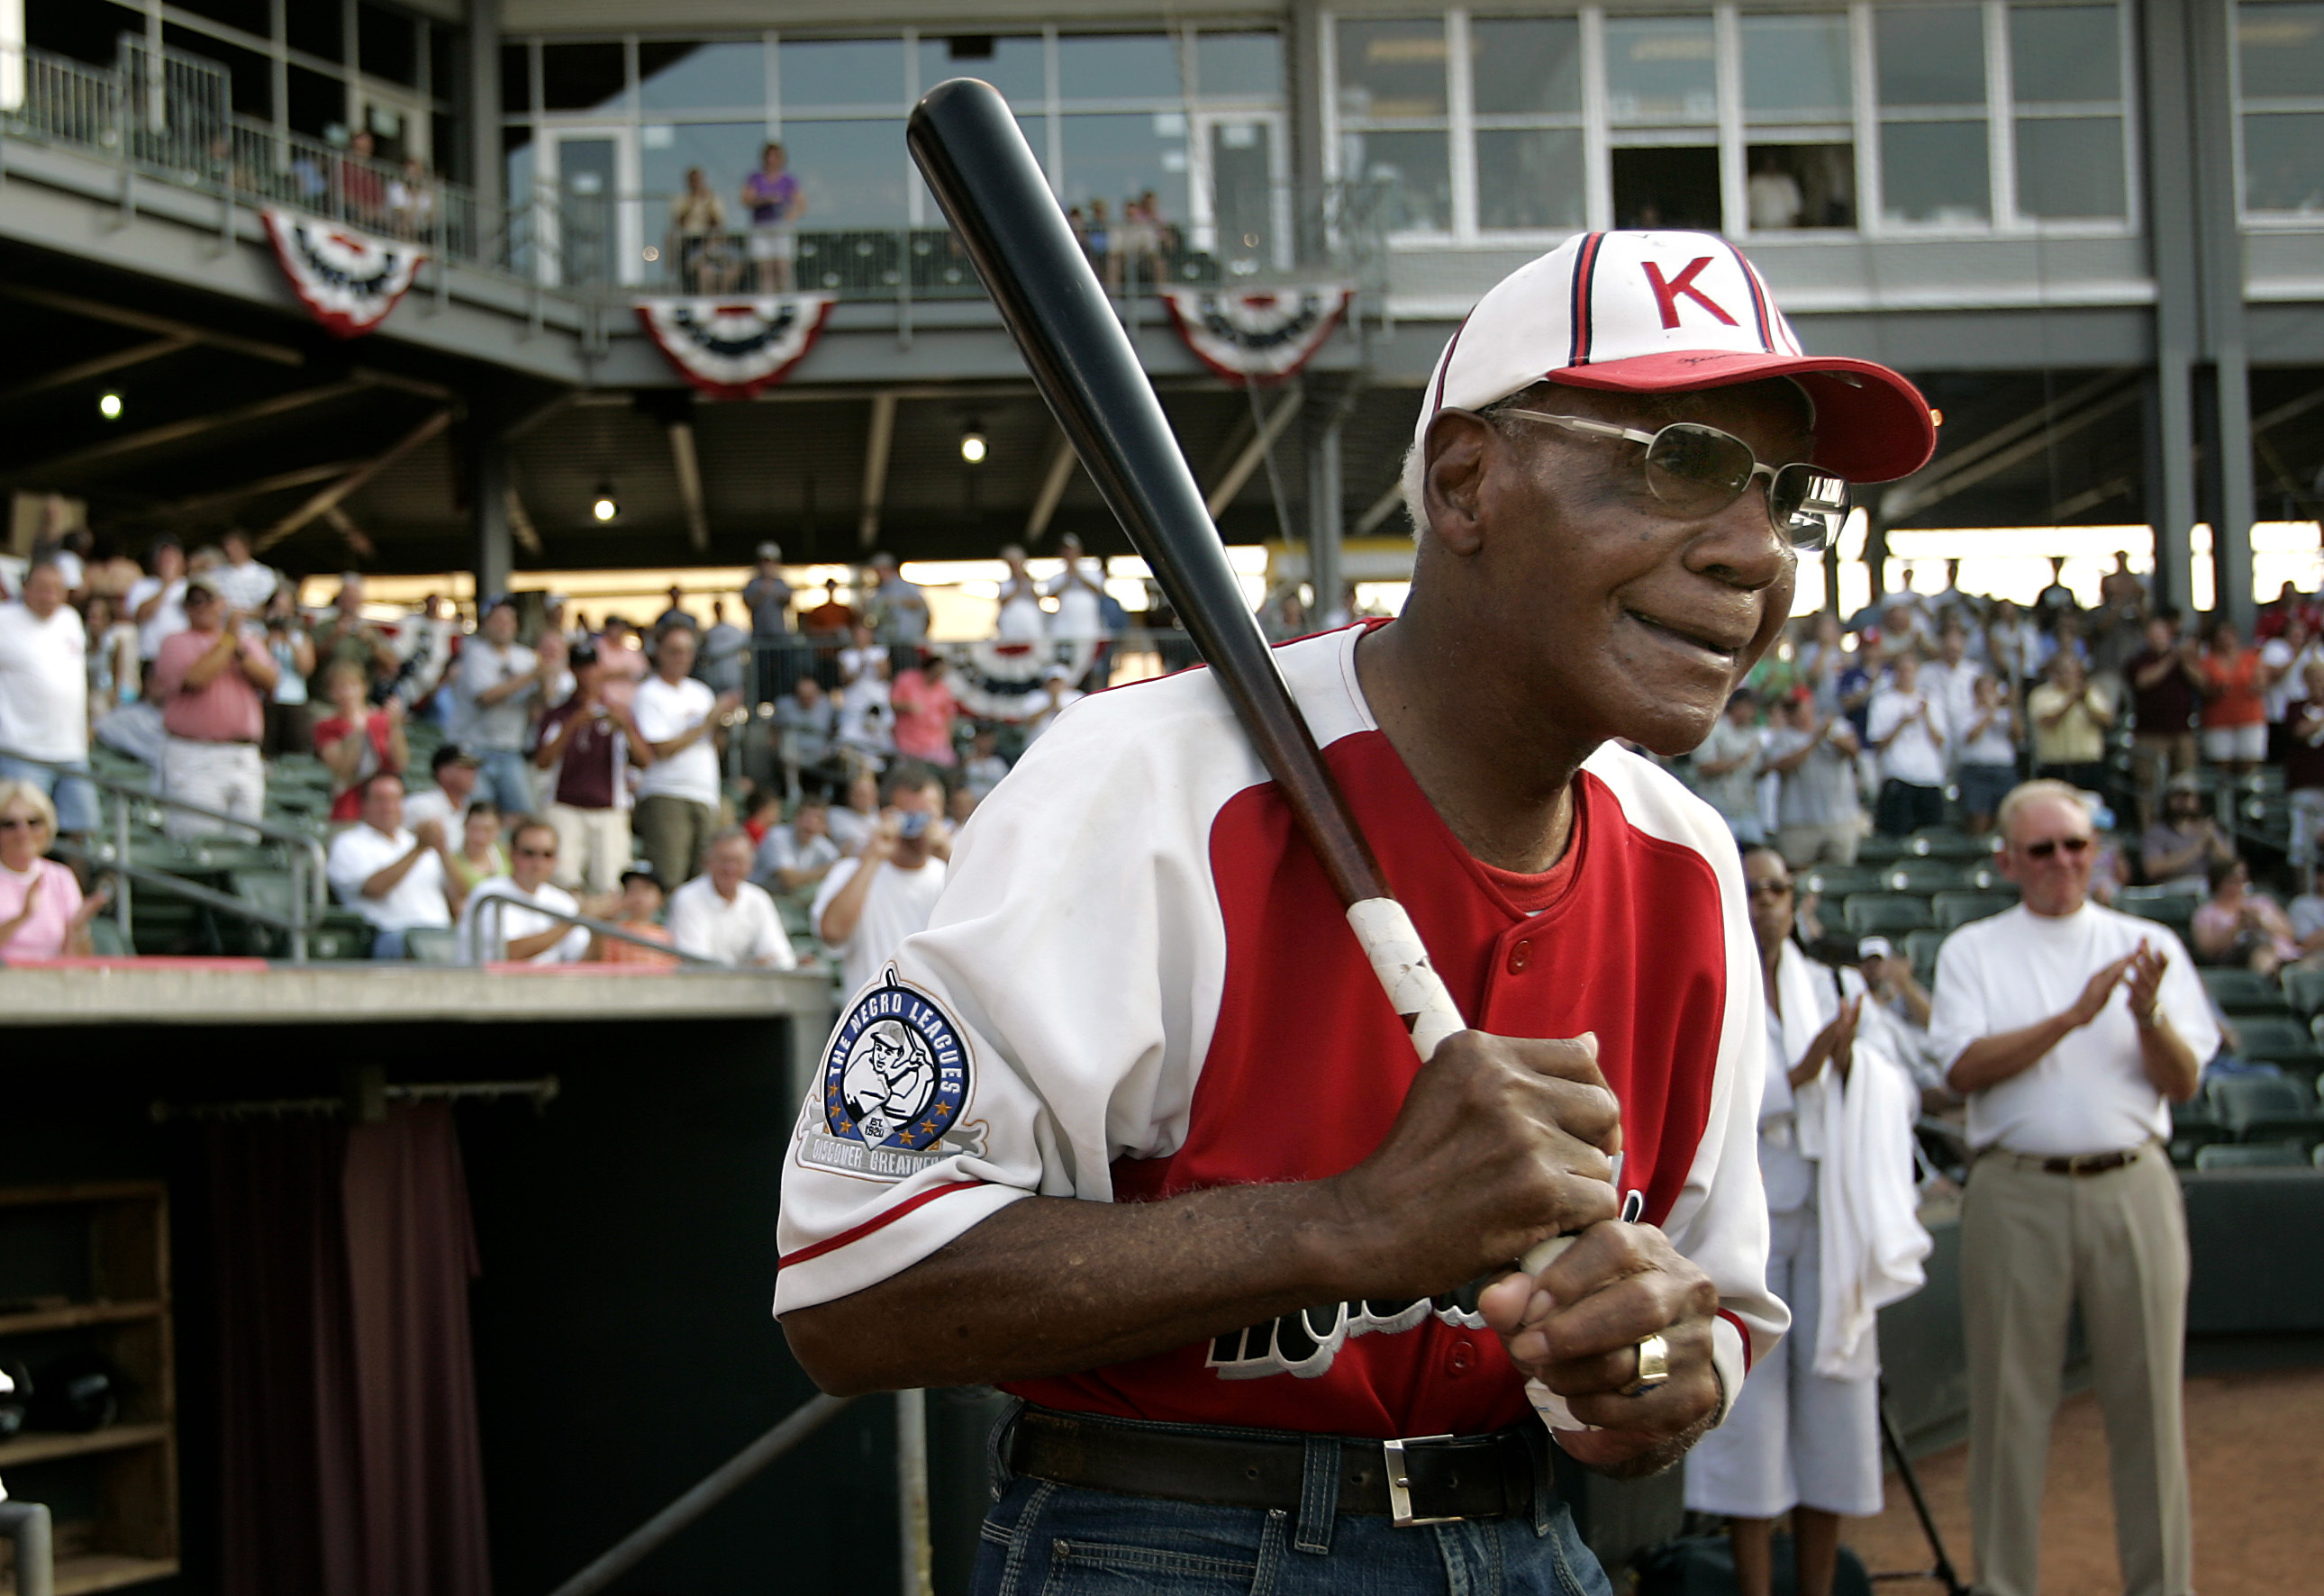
{"x":43,"y":914}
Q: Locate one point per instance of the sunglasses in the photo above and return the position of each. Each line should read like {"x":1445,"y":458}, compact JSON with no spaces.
{"x":1699,"y":470}
{"x":2050,"y":846}
{"x":23,"y":823}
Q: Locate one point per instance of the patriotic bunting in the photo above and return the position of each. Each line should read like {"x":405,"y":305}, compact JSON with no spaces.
{"x":1257,"y":335}
{"x":732,"y":348}
{"x":348,"y":278}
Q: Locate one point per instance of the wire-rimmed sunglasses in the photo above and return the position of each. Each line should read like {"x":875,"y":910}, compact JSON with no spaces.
{"x":1699,"y":470}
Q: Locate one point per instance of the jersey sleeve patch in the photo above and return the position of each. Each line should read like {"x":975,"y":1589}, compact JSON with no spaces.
{"x":896,"y":1075}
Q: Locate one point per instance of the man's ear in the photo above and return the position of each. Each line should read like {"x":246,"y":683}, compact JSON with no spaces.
{"x":1452,"y":478}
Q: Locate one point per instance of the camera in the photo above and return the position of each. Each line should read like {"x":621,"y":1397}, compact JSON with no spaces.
{"x":912,"y":825}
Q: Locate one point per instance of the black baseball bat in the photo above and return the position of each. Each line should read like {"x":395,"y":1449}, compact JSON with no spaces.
{"x":969,"y":148}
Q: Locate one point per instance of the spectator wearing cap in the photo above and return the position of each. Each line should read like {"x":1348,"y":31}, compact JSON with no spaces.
{"x":44,"y":697}
{"x":519,"y":933}
{"x":453,"y":769}
{"x":638,"y":912}
{"x":498,"y":687}
{"x":356,"y":742}
{"x":867,"y":905}
{"x":720,"y":915}
{"x":768,"y":597}
{"x":676,"y":721}
{"x":590,"y":745}
{"x":211,"y":682}
{"x":398,"y":878}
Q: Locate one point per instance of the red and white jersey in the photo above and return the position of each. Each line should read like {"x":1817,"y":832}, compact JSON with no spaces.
{"x":1139,"y":984}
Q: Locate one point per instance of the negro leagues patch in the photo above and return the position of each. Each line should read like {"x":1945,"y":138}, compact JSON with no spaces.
{"x":895,"y":1079}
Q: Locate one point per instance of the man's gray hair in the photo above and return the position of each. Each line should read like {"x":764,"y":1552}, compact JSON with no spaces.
{"x":727,"y":835}
{"x":2033,"y":793}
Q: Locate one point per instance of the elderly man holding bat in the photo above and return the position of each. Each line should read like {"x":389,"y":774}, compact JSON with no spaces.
{"x":1183,"y":1186}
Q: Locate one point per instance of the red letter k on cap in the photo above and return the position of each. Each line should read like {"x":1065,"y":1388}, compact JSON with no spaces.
{"x":1666,"y":294}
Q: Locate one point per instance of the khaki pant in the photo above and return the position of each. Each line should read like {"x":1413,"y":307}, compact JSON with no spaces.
{"x":2154,"y":758}
{"x":674,"y":833}
{"x":2032,"y":1244}
{"x":593,"y":847}
{"x":1830,"y":843}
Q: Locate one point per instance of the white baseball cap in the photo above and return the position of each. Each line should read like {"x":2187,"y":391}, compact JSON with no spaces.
{"x":1666,"y":312}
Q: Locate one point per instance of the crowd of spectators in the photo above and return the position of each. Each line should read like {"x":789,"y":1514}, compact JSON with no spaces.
{"x":1923,"y":710}
{"x":775,"y":792}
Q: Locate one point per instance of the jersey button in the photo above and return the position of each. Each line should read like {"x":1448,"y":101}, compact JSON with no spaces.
{"x":1463,"y":1358}
{"x":1520,"y":955}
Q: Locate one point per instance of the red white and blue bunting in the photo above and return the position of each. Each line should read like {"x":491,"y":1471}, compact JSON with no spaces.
{"x":1258,"y":335}
{"x":348,"y":278}
{"x":732,"y":348}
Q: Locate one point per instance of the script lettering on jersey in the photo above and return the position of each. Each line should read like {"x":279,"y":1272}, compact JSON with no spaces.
{"x":1303,"y":1344}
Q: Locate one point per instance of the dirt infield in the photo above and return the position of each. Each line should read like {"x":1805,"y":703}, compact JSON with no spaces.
{"x":2256,"y":1445}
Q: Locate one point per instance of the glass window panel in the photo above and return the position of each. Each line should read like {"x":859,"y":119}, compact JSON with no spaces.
{"x":387,"y":44}
{"x":2281,"y":48}
{"x":1413,"y":173}
{"x":250,"y":75}
{"x":516,"y":80}
{"x":1932,"y":55}
{"x":2069,"y":167}
{"x":1242,"y":190}
{"x":1239,"y":65}
{"x":447,"y":66}
{"x":701,"y":77}
{"x":252,"y":16}
{"x":1529,"y":178}
{"x":1662,"y":68}
{"x":1795,"y":69}
{"x":317,"y":104}
{"x":1934,"y":171}
{"x":1111,"y":160}
{"x":842,"y":72}
{"x":1521,"y":65}
{"x":2064,"y":52}
{"x":1667,"y":185}
{"x":726,"y":151}
{"x":313,"y":29}
{"x":1392,"y":68}
{"x":1796,"y":186}
{"x":581,"y":77}
{"x":2284,"y":162}
{"x":1011,"y":64}
{"x":852,"y":173}
{"x":1118,"y":66}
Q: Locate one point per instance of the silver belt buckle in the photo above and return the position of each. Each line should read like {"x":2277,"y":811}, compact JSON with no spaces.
{"x":1399,"y":1484}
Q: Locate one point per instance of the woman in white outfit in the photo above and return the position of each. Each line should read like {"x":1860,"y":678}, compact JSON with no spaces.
{"x":1799,"y":1442}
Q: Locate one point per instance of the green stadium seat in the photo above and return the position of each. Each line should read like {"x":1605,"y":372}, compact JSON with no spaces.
{"x":1951,"y":844}
{"x":2174,"y":910}
{"x":1931,"y":875}
{"x":107,"y":940}
{"x":2304,"y":990}
{"x":2267,"y":1108}
{"x":432,"y":945}
{"x":2244,"y":991}
{"x":2193,"y":1126}
{"x":1882,"y":849}
{"x":1956,"y":909}
{"x":2275,"y":1038}
{"x":1835,"y":881}
{"x":1922,"y":948}
{"x":1883,"y":913}
{"x":2264,"y":1154}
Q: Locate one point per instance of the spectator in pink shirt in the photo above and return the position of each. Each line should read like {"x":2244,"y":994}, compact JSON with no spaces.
{"x":924,"y":711}
{"x":42,"y":915}
{"x":209,"y":680}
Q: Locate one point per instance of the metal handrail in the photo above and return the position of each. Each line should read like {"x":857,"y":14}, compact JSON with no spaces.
{"x":309,"y":883}
{"x":488,"y":934}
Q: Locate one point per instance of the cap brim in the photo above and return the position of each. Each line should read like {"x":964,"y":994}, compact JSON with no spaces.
{"x":1872,"y":425}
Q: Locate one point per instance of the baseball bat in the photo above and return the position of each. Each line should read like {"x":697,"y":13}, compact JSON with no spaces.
{"x":976,"y":162}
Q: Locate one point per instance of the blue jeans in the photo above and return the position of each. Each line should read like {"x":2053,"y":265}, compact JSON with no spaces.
{"x":1046,"y":1539}
{"x":504,"y":777}
{"x":75,"y":798}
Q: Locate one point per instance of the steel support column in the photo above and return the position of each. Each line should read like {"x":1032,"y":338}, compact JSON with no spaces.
{"x":487,"y":457}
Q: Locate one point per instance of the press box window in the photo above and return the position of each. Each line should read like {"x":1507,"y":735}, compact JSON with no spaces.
{"x":2065,"y":66}
{"x":1798,"y":98}
{"x":1525,"y":86}
{"x":2280,"y":89}
{"x":1934,"y":165}
{"x":1394,"y":100}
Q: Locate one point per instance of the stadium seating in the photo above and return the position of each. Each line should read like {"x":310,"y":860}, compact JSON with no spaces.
{"x":2267,"y":1108}
{"x":2277,"y":1039}
{"x":2244,"y":991}
{"x":1883,"y":914}
{"x":2275,"y":1154}
{"x":1951,"y":844}
{"x":2174,"y":910}
{"x":2304,"y":990}
{"x":1931,"y":875}
{"x":2193,"y":1126}
{"x":1956,"y":909}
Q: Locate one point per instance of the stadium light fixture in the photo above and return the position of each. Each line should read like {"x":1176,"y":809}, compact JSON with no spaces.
{"x":109,"y":405}
{"x":604,"y":507}
{"x":973,"y":444}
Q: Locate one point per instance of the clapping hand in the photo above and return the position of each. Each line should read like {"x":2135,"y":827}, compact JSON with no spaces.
{"x":2146,"y":967}
{"x":2099,"y":988}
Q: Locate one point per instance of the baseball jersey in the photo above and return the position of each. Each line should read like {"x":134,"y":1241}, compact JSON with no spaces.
{"x":1139,"y":984}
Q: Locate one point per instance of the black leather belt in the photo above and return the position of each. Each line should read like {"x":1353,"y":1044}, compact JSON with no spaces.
{"x":1418,"y":1479}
